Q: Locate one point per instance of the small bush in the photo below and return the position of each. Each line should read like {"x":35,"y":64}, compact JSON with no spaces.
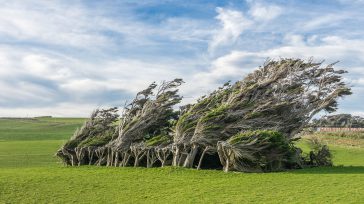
{"x":263,"y":150}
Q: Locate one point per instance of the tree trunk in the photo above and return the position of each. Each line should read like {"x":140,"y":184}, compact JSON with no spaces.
{"x":116,"y":158}
{"x":176,"y":156}
{"x":227,"y":163}
{"x":125,"y":160}
{"x":137,"y":160}
{"x":100,"y":152}
{"x":228,"y":160}
{"x":181,"y":159}
{"x":151,"y":158}
{"x":162,"y":155}
{"x":201,"y":158}
{"x":90,"y":155}
{"x":191,"y":157}
{"x":108,"y":157}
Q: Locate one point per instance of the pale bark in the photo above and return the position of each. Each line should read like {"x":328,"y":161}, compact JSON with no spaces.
{"x":202,"y":156}
{"x":191,"y":157}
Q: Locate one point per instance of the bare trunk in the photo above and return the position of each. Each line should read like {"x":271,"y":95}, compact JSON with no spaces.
{"x":108,"y":159}
{"x":151,"y":158}
{"x":162,"y":155}
{"x":224,"y":156}
{"x":176,"y":156}
{"x":111,"y":157}
{"x":201,"y":158}
{"x":228,"y":154}
{"x":137,"y":160}
{"x":125,"y":160}
{"x":138,"y":155}
{"x":90,"y":155}
{"x":72,"y":160}
{"x":116,"y":162}
{"x":181,"y":159}
{"x":227,"y":164}
{"x":191,"y":157}
{"x":100,"y":152}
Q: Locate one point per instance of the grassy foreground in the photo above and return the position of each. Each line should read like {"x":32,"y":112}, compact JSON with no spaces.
{"x":30,"y":174}
{"x":167,"y":185}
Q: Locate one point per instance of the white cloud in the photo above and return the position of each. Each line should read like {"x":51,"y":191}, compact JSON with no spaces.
{"x":59,"y":23}
{"x":264,"y":12}
{"x":51,"y":23}
{"x":325,"y":21}
{"x":40,"y":79}
{"x":331,"y":48}
{"x":233,"y":23}
{"x":294,"y":39}
{"x":58,"y":110}
{"x":64,"y":59}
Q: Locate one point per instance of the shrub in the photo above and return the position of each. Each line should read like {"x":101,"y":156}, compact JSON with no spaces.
{"x":260,"y":151}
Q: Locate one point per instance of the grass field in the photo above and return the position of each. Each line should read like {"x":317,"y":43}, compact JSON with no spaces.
{"x":29,"y":173}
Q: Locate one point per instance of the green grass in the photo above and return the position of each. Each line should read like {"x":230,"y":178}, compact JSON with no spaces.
{"x":38,"y":129}
{"x":348,"y":156}
{"x":168,"y":185}
{"x":29,"y":153}
{"x":30,"y":174}
{"x":342,"y":155}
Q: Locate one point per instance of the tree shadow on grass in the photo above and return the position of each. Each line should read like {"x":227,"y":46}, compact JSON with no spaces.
{"x":331,"y":170}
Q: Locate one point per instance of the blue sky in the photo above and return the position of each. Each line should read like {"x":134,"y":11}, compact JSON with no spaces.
{"x":66,"y":58}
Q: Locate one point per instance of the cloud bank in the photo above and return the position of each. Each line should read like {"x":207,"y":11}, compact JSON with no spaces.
{"x":66,"y":58}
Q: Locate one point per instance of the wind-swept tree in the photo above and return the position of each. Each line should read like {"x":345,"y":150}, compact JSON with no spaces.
{"x":282,"y":95}
{"x":148,"y":116}
{"x":95,"y":132}
{"x":278,"y":99}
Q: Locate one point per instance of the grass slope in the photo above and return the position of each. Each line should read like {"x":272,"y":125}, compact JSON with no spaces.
{"x":38,"y":128}
{"x":26,"y":142}
{"x":30,"y":174}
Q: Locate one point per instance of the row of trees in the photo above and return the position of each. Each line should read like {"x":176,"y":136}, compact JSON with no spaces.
{"x":339,"y":120}
{"x":247,"y":126}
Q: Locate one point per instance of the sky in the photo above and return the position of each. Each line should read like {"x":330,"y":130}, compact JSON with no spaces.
{"x":65,"y":58}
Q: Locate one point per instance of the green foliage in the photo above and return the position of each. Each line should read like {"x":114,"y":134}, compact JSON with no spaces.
{"x":95,"y":141}
{"x":187,"y":121}
{"x":72,"y":143}
{"x":215,"y":113}
{"x":272,"y":136}
{"x":158,"y":140}
{"x":320,"y":154}
{"x":263,"y":150}
{"x":97,"y":130}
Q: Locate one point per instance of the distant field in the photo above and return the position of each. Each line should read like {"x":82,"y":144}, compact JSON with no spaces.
{"x":33,"y":142}
{"x":29,"y":173}
{"x":38,"y":129}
